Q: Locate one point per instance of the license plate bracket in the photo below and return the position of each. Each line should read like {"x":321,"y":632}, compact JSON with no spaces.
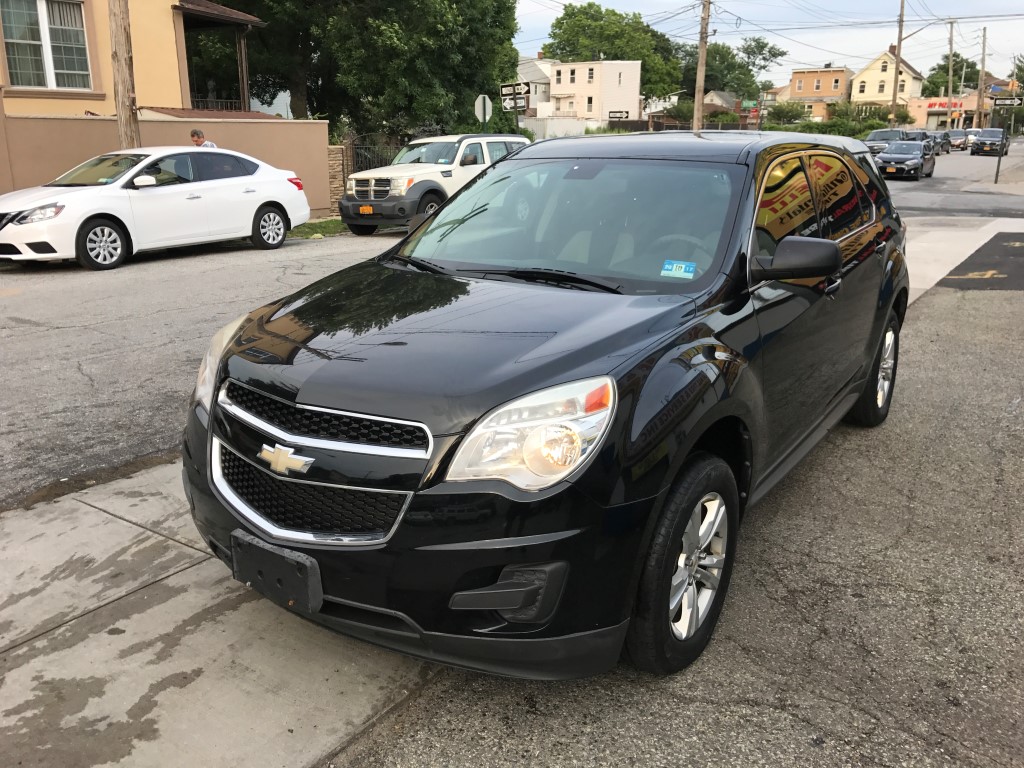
{"x":366,"y":210}
{"x":890,"y":170}
{"x":290,"y":579}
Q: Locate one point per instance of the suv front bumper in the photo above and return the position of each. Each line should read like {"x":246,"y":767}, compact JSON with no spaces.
{"x":391,"y":210}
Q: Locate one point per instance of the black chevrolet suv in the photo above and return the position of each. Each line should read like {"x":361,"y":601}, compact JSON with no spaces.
{"x":522,"y":439}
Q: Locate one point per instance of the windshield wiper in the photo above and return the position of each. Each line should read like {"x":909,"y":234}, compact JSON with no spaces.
{"x":554,"y":276}
{"x":420,"y":264}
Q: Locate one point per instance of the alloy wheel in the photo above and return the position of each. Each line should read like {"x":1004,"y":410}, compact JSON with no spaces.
{"x":886,"y":367}
{"x":103,"y":245}
{"x":699,"y":567}
{"x":272,"y":228}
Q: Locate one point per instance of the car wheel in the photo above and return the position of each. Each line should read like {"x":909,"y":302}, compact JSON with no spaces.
{"x":687,"y":569}
{"x":268,"y":228}
{"x":101,"y":244}
{"x":362,"y":229}
{"x":429,"y":204}
{"x":872,"y":407}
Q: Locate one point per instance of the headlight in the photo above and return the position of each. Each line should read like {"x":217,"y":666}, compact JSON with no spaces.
{"x":350,"y":187}
{"x":913,"y":163}
{"x":42,"y":213}
{"x":401,"y":186}
{"x":207,"y":380}
{"x":540,"y":439}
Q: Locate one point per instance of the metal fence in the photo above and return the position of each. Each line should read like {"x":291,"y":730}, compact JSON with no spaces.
{"x":365,"y":156}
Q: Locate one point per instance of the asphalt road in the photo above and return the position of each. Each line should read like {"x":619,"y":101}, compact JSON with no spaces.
{"x":874,"y":616}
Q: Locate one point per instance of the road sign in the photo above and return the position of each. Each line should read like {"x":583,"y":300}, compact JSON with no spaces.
{"x":510,"y":103}
{"x":483,"y":108}
{"x":1009,"y":101}
{"x":514,"y":89}
{"x":618,"y":115}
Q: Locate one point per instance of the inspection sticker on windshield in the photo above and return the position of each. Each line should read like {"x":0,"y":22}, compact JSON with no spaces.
{"x":684,"y":269}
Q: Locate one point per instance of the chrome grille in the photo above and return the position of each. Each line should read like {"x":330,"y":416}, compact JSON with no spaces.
{"x":372,"y":189}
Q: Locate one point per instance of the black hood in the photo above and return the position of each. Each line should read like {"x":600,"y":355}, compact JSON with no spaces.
{"x":436,"y":348}
{"x":890,"y":158}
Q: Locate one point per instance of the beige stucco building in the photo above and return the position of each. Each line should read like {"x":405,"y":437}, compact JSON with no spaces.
{"x":873,"y":84}
{"x":817,"y":88}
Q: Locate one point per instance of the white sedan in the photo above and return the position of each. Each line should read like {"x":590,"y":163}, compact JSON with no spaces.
{"x":136,"y":200}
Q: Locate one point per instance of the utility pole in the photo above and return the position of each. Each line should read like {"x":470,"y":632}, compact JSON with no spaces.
{"x":896,"y":75}
{"x":981,"y":81}
{"x":124,"y":76}
{"x":949,"y":88}
{"x":702,"y":61}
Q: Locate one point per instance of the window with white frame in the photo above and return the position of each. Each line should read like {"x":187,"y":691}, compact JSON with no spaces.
{"x":903,"y":85}
{"x":572,"y":75}
{"x":590,"y":103}
{"x":881,"y":86}
{"x":862,"y":87}
{"x":620,"y":78}
{"x":44,"y":43}
{"x":885,"y":66}
{"x":817,"y":84}
{"x":558,"y":77}
{"x":799,"y":85}
{"x":835,"y":84}
{"x":590,"y":74}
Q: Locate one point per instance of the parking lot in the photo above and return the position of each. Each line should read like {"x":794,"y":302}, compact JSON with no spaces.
{"x":874,"y":618}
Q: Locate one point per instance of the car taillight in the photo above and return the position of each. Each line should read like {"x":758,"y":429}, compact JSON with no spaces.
{"x":297,"y":182}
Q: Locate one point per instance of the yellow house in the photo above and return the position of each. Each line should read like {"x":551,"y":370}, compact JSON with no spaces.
{"x":56,"y":55}
{"x":873,"y":84}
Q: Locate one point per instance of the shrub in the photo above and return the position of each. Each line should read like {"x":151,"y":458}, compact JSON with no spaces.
{"x":724,"y":117}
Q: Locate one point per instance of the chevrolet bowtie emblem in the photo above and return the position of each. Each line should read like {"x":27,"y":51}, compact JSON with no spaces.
{"x":284,"y":460}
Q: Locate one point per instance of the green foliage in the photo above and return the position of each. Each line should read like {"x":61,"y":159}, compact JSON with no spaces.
{"x":604,"y":129}
{"x":323,"y":227}
{"x":786,"y":112}
{"x":867,"y":126}
{"x":524,"y":131}
{"x":683,"y":110}
{"x":903,"y":116}
{"x":724,"y":71}
{"x":758,"y":54}
{"x":589,"y":32}
{"x":723,"y":117}
{"x":937,"y":79}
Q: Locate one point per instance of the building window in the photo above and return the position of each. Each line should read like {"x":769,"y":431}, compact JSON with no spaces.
{"x":590,"y":103}
{"x":620,"y":78}
{"x":572,"y":106}
{"x":903,"y":85}
{"x":817,"y":84}
{"x":881,"y":86}
{"x":558,"y":77}
{"x":835,"y":84}
{"x":808,"y":107}
{"x":572,"y":75}
{"x":885,"y":66}
{"x":862,"y":87}
{"x":799,"y":85}
{"x":590,"y":74}
{"x":44,"y":41}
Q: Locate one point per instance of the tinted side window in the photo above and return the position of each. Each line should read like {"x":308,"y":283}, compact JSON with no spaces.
{"x":211,"y":166}
{"x":174,"y":169}
{"x":841,"y":199}
{"x":785,"y":207}
{"x":497,"y":149}
{"x":869,"y":177}
{"x":249,"y":166}
{"x":471,"y":151}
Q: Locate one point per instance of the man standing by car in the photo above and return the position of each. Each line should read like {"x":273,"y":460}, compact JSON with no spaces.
{"x":200,"y":140}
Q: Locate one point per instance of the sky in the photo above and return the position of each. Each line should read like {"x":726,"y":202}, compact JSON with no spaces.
{"x":815,"y":32}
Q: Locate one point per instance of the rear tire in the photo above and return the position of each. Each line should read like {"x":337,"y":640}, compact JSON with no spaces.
{"x":269,"y":228}
{"x":687,"y":569}
{"x":362,"y":229}
{"x":872,"y":408}
{"x":101,"y":244}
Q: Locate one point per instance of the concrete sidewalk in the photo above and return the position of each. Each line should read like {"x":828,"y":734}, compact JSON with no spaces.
{"x":123,"y":642}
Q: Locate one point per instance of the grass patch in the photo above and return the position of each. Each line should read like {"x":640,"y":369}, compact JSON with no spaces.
{"x":323,"y":227}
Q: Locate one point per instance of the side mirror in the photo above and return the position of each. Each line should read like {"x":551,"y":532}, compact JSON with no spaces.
{"x":798,"y":257}
{"x":144,"y":180}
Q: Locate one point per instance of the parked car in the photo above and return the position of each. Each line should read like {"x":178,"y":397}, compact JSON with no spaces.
{"x":972,"y":135}
{"x":958,"y":139}
{"x":991,"y":141}
{"x":578,"y":347}
{"x":422,"y":176}
{"x":134,"y":200}
{"x":878,"y":140}
{"x":907,"y":159}
{"x":942,"y":141}
{"x":922,"y":136}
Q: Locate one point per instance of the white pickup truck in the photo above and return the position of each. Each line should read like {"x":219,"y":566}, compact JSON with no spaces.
{"x":422,"y":176}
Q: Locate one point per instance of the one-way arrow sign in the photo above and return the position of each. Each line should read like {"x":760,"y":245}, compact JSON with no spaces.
{"x":1009,"y":101}
{"x":510,"y":103}
{"x":514,"y":89}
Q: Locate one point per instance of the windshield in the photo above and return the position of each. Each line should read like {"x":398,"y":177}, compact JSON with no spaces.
{"x":98,"y":172}
{"x":884,"y":135}
{"x":442,"y":152}
{"x":649,"y":226}
{"x":991,"y":133}
{"x":903,"y":148}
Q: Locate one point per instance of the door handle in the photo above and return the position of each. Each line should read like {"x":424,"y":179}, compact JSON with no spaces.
{"x":193,"y":196}
{"x":832,"y":286}
{"x":248,"y":190}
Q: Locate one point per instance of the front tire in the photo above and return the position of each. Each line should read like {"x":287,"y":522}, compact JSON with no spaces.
{"x":268,"y":228}
{"x":687,"y":570}
{"x":429,"y":204}
{"x":101,"y":244}
{"x":872,"y":408}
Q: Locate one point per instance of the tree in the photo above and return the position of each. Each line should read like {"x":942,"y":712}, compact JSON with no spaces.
{"x":786,"y":112}
{"x":724,"y":71}
{"x":758,"y":54}
{"x":682,"y":110}
{"x":723,"y":117}
{"x":937,"y":81}
{"x":903,"y":116}
{"x":589,"y":32}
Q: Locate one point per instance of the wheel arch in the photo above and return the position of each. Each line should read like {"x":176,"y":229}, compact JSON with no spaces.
{"x":280,"y":208}
{"x":110,"y":217}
